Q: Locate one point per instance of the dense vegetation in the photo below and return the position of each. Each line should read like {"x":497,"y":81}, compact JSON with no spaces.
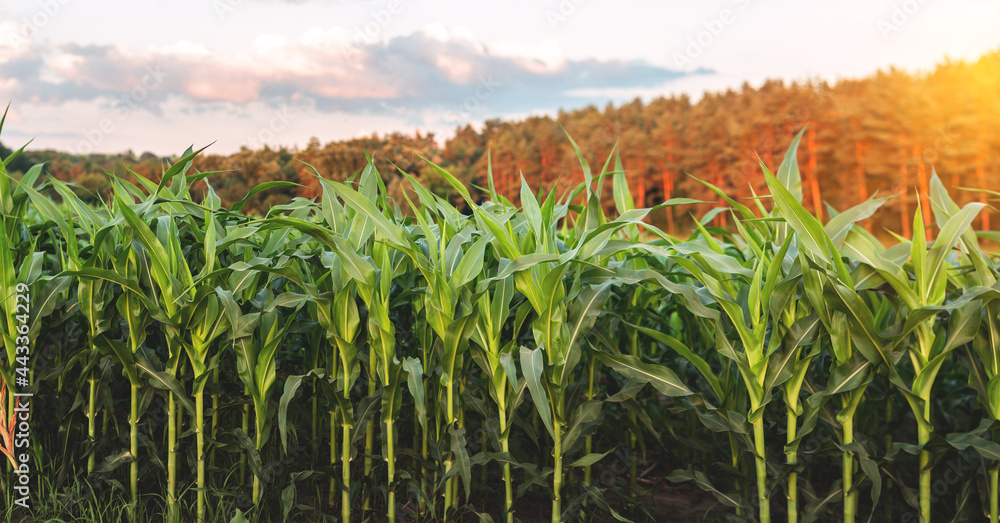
{"x":341,"y":358}
{"x":881,"y":134}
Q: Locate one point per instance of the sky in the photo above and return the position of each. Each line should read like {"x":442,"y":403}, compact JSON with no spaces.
{"x":161,"y":75}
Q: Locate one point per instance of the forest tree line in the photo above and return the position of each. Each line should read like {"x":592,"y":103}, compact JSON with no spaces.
{"x":882,"y":134}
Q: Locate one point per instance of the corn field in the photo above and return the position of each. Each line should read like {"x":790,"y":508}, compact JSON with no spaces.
{"x":354,"y":358}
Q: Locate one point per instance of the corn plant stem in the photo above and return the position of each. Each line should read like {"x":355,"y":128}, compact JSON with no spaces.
{"x":791,"y":458}
{"x":850,"y":406}
{"x":557,"y":461}
{"x":91,"y":405}
{"x":369,"y":431}
{"x":761,"y":462}
{"x":172,"y":514}
{"x":316,"y":435}
{"x":460,"y":423}
{"x":923,"y":436}
{"x":632,"y":441}
{"x":447,"y":488}
{"x":246,"y":428}
{"x":505,"y":448}
{"x":199,"y":431}
{"x":369,"y":450}
{"x":423,"y":470}
{"x":134,"y":449}
{"x":390,"y":458}
{"x":925,"y":340}
{"x":850,"y":497}
{"x":258,"y":442}
{"x":508,"y":484}
{"x":994,"y":477}
{"x":215,"y":416}
{"x":437,"y":434}
{"x":179,"y":418}
{"x":589,"y":441}
{"x":450,"y":418}
{"x":333,"y":457}
{"x":314,"y":442}
{"x":345,"y":498}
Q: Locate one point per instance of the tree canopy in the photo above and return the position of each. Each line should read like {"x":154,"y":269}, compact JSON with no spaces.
{"x":883,"y":134}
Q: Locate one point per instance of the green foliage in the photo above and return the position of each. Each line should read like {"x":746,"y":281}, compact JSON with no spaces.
{"x":508,"y":345}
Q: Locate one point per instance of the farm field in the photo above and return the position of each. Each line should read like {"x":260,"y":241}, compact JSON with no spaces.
{"x":356,"y":357}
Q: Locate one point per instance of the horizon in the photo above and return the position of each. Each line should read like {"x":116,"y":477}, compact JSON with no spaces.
{"x":85,"y":82}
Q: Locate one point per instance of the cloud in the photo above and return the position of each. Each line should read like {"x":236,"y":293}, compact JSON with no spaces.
{"x":338,"y":69}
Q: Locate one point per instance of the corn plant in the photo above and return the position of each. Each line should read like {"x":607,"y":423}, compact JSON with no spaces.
{"x":13,"y":206}
{"x":932,"y":341}
{"x":373,"y":277}
{"x":131,"y":305}
{"x":550,"y":281}
{"x":94,"y":298}
{"x":448,"y":268}
{"x":496,"y":359}
{"x":980,"y":286}
{"x":208,"y":322}
{"x":171,"y":289}
{"x":474,"y":305}
{"x":822,"y":273}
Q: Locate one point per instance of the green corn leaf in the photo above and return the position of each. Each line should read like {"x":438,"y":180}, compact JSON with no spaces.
{"x":660,"y":377}
{"x":415,"y":384}
{"x":259,"y":189}
{"x":164,"y":381}
{"x":788,"y":172}
{"x":590,"y":459}
{"x":699,"y":363}
{"x":532,"y":367}
{"x":292,"y":385}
